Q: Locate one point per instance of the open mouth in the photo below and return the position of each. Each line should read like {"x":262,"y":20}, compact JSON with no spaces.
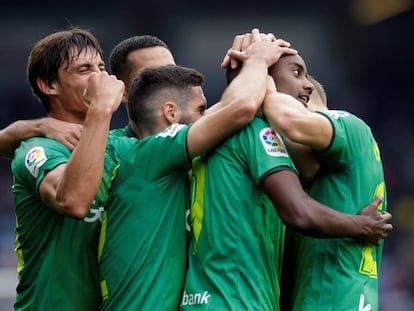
{"x":304,"y":99}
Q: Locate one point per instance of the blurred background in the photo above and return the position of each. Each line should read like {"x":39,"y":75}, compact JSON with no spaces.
{"x":362,"y":51}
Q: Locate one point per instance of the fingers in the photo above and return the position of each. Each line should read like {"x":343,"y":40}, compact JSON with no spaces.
{"x":386,"y":215}
{"x":282,"y":42}
{"x":239,"y":44}
{"x":104,"y":90}
{"x":238,"y":41}
{"x":271,"y":37}
{"x":388,"y":228}
{"x":235,"y":55}
{"x":378,"y":200}
{"x":72,"y":136}
{"x":246,"y":41}
{"x":71,"y":145}
{"x":380,"y":235}
{"x":225,"y":62}
{"x":290,"y":51}
{"x":242,"y":44}
{"x":255,"y":35}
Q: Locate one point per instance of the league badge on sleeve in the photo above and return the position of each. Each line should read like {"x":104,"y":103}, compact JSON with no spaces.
{"x":272,"y":143}
{"x":35,"y":158}
{"x":172,"y":130}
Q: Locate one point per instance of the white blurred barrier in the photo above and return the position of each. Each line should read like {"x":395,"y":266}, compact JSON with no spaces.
{"x":8,"y":283}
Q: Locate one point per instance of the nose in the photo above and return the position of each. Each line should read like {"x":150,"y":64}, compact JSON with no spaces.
{"x":308,"y":86}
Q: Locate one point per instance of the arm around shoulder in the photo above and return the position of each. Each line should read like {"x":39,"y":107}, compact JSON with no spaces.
{"x":293,"y":120}
{"x":10,"y":137}
{"x":308,"y":216}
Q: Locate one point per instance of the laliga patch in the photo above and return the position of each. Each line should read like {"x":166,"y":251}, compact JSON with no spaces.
{"x":272,"y":143}
{"x":35,"y":158}
{"x":172,"y":130}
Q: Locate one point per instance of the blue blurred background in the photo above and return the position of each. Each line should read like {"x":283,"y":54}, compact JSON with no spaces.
{"x":362,"y":51}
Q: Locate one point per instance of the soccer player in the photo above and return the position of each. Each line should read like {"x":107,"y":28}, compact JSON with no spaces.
{"x":131,"y":56}
{"x":57,"y":214}
{"x":323,"y":272}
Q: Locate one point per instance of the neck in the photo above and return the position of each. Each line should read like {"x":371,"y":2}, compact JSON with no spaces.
{"x":67,"y":117}
{"x":58,"y":112}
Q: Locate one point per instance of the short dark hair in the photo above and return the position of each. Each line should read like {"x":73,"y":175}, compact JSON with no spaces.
{"x":154,"y":86}
{"x":118,"y":57}
{"x":53,"y":51}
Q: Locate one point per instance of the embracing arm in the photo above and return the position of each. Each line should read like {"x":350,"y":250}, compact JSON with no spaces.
{"x":64,"y":132}
{"x":241,"y":99}
{"x":70,"y":188}
{"x":288,"y":116}
{"x":308,"y":216}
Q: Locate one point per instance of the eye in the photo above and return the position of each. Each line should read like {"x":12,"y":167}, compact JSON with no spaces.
{"x":296,"y":72}
{"x":202,"y":109}
{"x":83,"y":69}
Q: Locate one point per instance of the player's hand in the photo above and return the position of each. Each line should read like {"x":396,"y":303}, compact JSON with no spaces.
{"x":241,"y":43}
{"x":378,"y":223}
{"x":64,"y":132}
{"x":261,"y":47}
{"x":105,"y":91}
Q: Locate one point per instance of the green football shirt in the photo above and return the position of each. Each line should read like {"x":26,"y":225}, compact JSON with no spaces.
{"x":341,"y":274}
{"x":236,"y":250}
{"x":57,"y":255}
{"x":143,"y":237}
{"x":122,"y":132}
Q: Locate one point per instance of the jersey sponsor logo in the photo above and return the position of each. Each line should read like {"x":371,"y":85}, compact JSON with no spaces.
{"x":172,"y":130}
{"x":195,"y":299}
{"x":35,"y":158}
{"x":95,"y":214}
{"x":363,"y":307}
{"x":188,"y":220}
{"x":272,"y":143}
{"x":336,"y":114}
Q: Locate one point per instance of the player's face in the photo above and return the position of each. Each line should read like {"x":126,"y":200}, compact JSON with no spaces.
{"x":195,"y":108}
{"x":290,"y":76}
{"x":140,"y":59}
{"x":73,"y":80}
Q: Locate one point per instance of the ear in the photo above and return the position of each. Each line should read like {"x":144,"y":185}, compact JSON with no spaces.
{"x":170,"y":112}
{"x":46,"y":88}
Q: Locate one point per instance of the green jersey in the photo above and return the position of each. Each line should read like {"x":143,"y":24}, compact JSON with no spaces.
{"x":122,"y":132}
{"x":57,"y":255}
{"x":143,"y":238}
{"x":341,"y":274}
{"x":236,"y":249}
